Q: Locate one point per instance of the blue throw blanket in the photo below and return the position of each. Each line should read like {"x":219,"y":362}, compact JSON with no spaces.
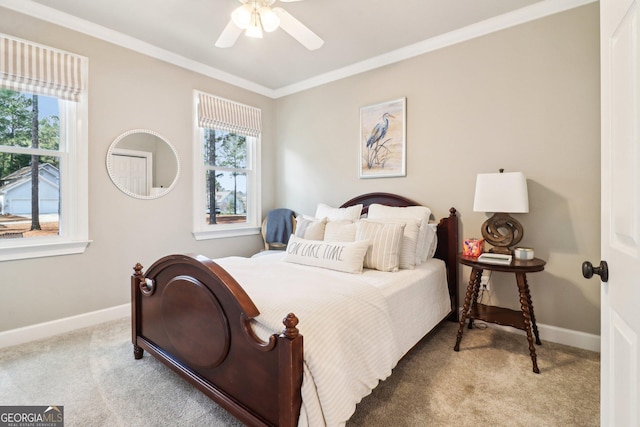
{"x":279,"y":226}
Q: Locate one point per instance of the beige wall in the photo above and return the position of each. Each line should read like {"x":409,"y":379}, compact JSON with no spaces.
{"x":127,"y":90}
{"x":523,"y":99}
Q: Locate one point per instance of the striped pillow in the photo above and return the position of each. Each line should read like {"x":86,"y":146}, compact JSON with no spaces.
{"x":409,"y":258}
{"x":384,"y":244}
{"x":377,"y":211}
{"x":340,"y":231}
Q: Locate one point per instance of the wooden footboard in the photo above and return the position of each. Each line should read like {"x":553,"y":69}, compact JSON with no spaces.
{"x":193,"y":316}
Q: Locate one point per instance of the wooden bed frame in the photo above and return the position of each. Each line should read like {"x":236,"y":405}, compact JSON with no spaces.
{"x":190,"y":314}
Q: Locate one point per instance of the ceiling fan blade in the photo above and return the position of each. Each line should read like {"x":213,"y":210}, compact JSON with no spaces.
{"x":229,"y":35}
{"x":298,"y":30}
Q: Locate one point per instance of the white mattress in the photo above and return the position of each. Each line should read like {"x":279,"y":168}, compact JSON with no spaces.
{"x":418,"y":299}
{"x":356,"y":327}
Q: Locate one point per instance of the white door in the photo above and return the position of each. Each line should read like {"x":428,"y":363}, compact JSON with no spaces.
{"x":620,"y":228}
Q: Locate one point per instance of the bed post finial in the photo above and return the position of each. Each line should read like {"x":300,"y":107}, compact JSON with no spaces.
{"x":138,"y":270}
{"x":138,"y":276}
{"x":290,"y":322}
{"x":452,"y":212}
{"x":147,"y":286}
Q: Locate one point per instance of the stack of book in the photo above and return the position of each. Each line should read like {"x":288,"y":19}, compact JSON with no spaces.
{"x":491,"y":258}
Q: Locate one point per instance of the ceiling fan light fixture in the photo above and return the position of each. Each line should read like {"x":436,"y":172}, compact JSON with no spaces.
{"x":255,"y":17}
{"x":255,"y":28}
{"x":270,"y":21}
{"x":242,"y":16}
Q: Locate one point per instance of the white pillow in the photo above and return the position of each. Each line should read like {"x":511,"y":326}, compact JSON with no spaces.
{"x":311,"y":229}
{"x":351,"y":213}
{"x":340,"y":231}
{"x":432,"y":238}
{"x":399,"y":212}
{"x":377,"y":211}
{"x":341,"y":256}
{"x":409,"y":258}
{"x":384,"y":244}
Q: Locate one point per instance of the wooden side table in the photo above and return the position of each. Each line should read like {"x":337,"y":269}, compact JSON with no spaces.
{"x":524,"y":319}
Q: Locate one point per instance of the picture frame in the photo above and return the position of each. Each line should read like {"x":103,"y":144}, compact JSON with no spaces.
{"x":382,"y":139}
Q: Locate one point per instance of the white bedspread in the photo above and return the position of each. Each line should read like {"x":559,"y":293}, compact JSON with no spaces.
{"x":351,"y":341}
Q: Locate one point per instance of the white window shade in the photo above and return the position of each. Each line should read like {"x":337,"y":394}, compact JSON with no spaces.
{"x":501,"y":192}
{"x":28,"y":67}
{"x":220,"y":113}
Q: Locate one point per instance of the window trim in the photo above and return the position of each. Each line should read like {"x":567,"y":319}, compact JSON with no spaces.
{"x":203,"y":231}
{"x":74,"y":189}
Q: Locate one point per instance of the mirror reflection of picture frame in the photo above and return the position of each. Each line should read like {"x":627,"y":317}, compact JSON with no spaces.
{"x":383,"y":140}
{"x":143,"y":164}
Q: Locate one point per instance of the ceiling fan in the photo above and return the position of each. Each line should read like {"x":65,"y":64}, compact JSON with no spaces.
{"x":254,"y":16}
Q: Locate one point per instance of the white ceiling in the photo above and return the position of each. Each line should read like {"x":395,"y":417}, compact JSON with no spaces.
{"x":358,"y":34}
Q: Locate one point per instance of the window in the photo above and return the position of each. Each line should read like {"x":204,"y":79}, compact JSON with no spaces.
{"x":43,"y":152}
{"x":226,"y":168}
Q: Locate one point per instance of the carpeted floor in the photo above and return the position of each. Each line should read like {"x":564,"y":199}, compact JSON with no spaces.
{"x":93,"y":374}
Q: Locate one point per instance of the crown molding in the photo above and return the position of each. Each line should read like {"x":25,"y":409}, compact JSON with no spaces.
{"x":48,"y":14}
{"x":498,"y":23}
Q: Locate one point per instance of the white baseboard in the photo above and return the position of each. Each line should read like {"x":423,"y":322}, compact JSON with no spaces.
{"x":60,"y":326}
{"x":48,"y":329}
{"x":555,"y":334}
{"x":559,"y":335}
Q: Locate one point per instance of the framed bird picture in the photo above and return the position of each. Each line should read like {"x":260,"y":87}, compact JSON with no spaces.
{"x":383,"y":139}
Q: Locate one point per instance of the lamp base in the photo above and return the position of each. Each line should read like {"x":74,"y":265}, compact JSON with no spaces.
{"x":502,"y":231}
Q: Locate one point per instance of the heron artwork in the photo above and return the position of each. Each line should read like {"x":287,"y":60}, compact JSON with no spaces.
{"x":377,"y":151}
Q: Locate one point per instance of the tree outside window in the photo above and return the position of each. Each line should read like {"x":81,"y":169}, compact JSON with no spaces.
{"x":225,"y":160}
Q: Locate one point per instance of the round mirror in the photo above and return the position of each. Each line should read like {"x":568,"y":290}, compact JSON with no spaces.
{"x":143,"y":164}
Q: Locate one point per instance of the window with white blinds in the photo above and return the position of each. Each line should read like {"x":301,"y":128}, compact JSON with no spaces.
{"x":226,"y":168}
{"x":43,"y":150}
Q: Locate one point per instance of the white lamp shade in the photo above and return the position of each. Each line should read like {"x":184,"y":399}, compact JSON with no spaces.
{"x":501,"y":192}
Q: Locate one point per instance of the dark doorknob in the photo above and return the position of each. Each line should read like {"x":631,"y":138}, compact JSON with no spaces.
{"x":588,"y":270}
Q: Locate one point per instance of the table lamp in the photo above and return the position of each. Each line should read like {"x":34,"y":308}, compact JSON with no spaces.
{"x":502,"y":194}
